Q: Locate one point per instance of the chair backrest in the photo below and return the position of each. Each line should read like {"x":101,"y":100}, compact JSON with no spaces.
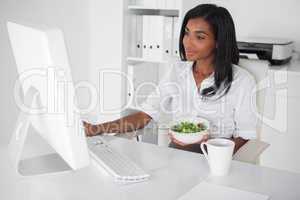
{"x":259,"y":69}
{"x":251,"y":151}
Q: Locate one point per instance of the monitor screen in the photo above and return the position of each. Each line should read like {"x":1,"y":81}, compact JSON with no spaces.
{"x":42,"y":64}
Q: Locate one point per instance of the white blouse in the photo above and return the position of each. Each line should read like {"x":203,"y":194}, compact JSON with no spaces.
{"x":231,"y":115}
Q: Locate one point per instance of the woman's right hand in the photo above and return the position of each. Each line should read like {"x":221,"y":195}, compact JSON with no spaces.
{"x":91,"y":129}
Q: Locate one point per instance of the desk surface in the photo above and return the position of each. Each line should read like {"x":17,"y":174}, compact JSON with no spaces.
{"x":173,"y":173}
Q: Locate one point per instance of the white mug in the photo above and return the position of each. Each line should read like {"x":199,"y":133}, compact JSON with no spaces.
{"x":219,"y":155}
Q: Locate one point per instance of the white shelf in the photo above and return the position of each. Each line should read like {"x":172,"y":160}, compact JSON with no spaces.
{"x":140,"y":10}
{"x":137,"y":60}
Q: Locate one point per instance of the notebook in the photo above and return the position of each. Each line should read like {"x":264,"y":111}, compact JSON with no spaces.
{"x":210,"y":191}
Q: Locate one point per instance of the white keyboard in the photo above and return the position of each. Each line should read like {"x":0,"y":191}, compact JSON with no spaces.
{"x":118,"y":165}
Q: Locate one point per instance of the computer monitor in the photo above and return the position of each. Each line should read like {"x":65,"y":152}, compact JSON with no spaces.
{"x":45,"y":79}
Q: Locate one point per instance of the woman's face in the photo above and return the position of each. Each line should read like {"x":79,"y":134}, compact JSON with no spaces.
{"x":198,"y":41}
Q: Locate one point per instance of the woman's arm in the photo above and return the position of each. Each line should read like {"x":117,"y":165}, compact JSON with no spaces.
{"x":239,"y":142}
{"x":126,"y":124}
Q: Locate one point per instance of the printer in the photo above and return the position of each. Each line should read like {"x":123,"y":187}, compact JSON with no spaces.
{"x":277,"y":51}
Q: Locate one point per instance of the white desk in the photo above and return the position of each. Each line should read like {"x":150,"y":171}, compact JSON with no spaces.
{"x":173,"y":173}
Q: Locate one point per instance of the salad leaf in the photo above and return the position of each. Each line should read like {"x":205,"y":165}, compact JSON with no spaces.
{"x":188,"y":127}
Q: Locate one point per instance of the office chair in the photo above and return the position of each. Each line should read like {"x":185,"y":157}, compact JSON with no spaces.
{"x":251,"y":151}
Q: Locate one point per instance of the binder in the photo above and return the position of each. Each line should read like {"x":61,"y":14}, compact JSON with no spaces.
{"x":168,"y":38}
{"x":132,"y":37}
{"x":157,"y":38}
{"x":176,"y":35}
{"x":161,"y":38}
{"x":146,"y":37}
{"x":136,"y":36}
{"x":139,"y":36}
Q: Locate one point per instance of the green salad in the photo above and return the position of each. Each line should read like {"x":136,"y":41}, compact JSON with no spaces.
{"x":188,"y":127}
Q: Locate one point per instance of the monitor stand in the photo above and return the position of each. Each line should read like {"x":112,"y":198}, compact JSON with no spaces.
{"x":38,"y":165}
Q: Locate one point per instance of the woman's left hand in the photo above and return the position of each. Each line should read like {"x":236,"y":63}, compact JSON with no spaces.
{"x":204,"y":139}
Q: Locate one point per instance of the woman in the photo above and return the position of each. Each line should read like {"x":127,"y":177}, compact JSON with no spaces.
{"x":208,"y":83}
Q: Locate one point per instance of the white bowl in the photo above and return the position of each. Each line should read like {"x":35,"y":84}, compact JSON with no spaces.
{"x":190,"y":138}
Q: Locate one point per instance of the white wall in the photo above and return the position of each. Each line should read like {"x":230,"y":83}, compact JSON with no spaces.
{"x":92,"y":31}
{"x":106,"y":22}
{"x":266,"y":18}
{"x":70,"y":17}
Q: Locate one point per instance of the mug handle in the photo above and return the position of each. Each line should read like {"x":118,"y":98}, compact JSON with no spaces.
{"x":203,"y":150}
